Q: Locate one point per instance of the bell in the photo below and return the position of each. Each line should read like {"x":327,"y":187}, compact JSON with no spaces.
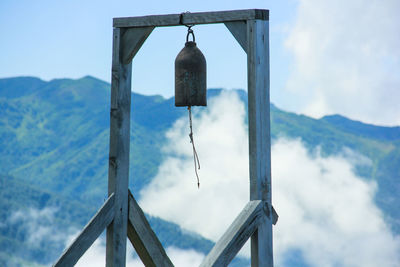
{"x":190,"y":76}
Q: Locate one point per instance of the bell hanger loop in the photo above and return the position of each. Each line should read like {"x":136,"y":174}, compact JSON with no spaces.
{"x":190,"y":31}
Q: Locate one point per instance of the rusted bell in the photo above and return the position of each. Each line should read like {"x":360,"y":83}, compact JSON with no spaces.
{"x":190,"y":76}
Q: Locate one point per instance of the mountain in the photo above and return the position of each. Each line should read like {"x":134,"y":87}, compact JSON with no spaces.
{"x":54,"y":140}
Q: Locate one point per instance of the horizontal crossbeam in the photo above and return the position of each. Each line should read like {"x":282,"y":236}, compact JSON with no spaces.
{"x":143,"y":239}
{"x":191,"y":18}
{"x":89,"y":234}
{"x":242,"y":228}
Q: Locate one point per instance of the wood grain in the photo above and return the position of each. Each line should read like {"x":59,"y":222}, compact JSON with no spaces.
{"x":118,"y":170}
{"x":192,"y":18}
{"x":239,"y":31}
{"x":259,"y":135}
{"x":132,"y":41}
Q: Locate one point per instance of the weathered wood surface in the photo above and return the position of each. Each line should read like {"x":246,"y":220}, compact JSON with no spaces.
{"x":259,"y":135}
{"x":192,"y":18}
{"x":88,"y":235}
{"x":235,"y":237}
{"x":132,"y":40}
{"x":239,"y":31}
{"x":143,"y":239}
{"x":118,"y":170}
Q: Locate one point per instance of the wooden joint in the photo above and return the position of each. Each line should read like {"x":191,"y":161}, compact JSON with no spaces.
{"x":270,"y":212}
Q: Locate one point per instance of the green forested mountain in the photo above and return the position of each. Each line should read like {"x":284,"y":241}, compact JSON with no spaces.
{"x":54,"y":147}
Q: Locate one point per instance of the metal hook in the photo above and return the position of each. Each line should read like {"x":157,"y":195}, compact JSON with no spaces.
{"x":190,"y":31}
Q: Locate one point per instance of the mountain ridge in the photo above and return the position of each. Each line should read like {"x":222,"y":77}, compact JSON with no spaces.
{"x":55,"y":135}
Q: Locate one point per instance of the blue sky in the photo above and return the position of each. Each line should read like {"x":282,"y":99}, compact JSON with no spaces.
{"x":325,"y":57}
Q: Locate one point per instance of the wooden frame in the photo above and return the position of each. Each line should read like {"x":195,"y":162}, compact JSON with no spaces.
{"x":121,"y":214}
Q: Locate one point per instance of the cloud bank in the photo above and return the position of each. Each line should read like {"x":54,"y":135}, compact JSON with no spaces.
{"x":38,"y":225}
{"x":221,"y":142}
{"x":326,"y":211}
{"x":346,"y":59}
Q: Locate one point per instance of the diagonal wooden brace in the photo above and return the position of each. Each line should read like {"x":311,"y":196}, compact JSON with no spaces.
{"x":143,"y":239}
{"x":242,"y":228}
{"x":89,"y":234}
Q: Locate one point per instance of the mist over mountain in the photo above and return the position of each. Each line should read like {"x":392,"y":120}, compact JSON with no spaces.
{"x":54,"y":139}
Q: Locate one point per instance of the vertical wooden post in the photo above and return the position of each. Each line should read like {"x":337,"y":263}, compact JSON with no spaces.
{"x":259,"y":136}
{"x":118,"y":170}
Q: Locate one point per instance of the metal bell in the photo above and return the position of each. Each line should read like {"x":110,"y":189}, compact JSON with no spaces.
{"x":190,"y":75}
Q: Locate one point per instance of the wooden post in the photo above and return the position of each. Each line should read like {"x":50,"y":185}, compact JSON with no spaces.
{"x":118,"y":172}
{"x":259,"y":136}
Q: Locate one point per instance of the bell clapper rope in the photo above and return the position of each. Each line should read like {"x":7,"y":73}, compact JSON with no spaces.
{"x":195,"y":156}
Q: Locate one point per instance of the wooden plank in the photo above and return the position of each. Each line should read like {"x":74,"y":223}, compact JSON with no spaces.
{"x":239,"y":31}
{"x":259,"y":135}
{"x":132,"y":40}
{"x":88,"y":235}
{"x":143,"y":239}
{"x":235,"y":237}
{"x":192,"y":18}
{"x":118,"y":170}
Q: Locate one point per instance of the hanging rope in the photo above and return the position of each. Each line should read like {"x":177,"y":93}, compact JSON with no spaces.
{"x":195,"y":156}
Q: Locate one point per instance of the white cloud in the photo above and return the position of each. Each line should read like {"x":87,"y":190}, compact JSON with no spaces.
{"x":347,"y":59}
{"x":38,"y":224}
{"x":326,"y":211}
{"x":184,"y":258}
{"x":94,"y":256}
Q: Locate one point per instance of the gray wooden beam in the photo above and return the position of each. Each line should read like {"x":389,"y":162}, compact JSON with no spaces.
{"x":118,"y":170}
{"x":259,"y":135}
{"x":239,"y":31}
{"x":132,"y":40}
{"x":143,"y":239}
{"x":192,"y":18}
{"x":238,"y":233}
{"x":88,"y":235}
